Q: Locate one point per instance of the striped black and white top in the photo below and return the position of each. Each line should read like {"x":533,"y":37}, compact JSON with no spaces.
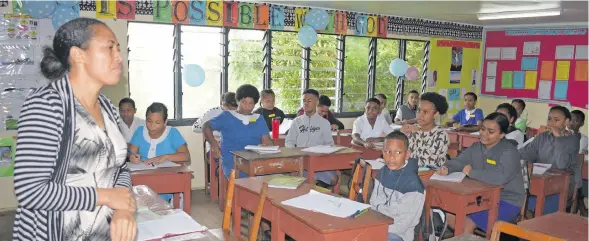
{"x":46,"y":131}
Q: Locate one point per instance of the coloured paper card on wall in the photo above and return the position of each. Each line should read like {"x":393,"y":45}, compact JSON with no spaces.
{"x":544,"y":89}
{"x":565,"y":52}
{"x":529,"y":63}
{"x":531,"y":77}
{"x":492,"y":68}
{"x":560,"y":90}
{"x":531,"y":48}
{"x":507,"y":80}
{"x":562,"y":70}
{"x":454,"y":94}
{"x":581,"y":52}
{"x":490,"y":84}
{"x":581,"y":71}
{"x":508,"y":53}
{"x":518,"y":79}
{"x":547,"y":70}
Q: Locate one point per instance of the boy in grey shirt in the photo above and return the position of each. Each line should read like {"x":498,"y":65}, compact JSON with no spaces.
{"x":310,"y":129}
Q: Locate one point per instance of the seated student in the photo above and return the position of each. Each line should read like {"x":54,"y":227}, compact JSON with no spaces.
{"x":556,"y":146}
{"x":398,"y":191}
{"x":406,"y":113}
{"x":512,"y":132}
{"x":228,"y":102}
{"x":130,"y":122}
{"x":370,"y":127}
{"x":309,"y":130}
{"x":428,"y":142}
{"x":323,"y":110}
{"x":238,"y":128}
{"x":156,"y":142}
{"x":577,"y":121}
{"x":383,"y":108}
{"x":493,"y":160}
{"x":469,"y":118}
{"x":522,"y":121}
{"x":267,"y":109}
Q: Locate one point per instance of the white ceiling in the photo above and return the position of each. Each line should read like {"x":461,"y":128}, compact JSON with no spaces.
{"x":458,"y":11}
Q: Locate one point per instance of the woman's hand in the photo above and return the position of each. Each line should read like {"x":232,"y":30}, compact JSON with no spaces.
{"x":118,"y":198}
{"x":368,"y":145}
{"x":334,"y":127}
{"x":466,"y":169}
{"x":216,"y":151}
{"x":123,"y":226}
{"x":157,"y":160}
{"x":134,"y":158}
{"x":442,"y":171}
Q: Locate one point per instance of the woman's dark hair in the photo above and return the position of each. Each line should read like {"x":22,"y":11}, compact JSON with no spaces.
{"x":519,"y":101}
{"x":510,"y":109}
{"x":438,"y":100}
{"x":157,"y":107}
{"x":229,"y":99}
{"x":472,"y":94}
{"x":127,"y":100}
{"x":501,"y":120}
{"x":75,"y":33}
{"x":564,"y":110}
{"x":324,"y":101}
{"x":247,"y":90}
{"x":373,"y":100}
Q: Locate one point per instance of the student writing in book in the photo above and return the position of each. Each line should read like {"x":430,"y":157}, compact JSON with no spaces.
{"x":238,"y":128}
{"x":323,"y":111}
{"x":398,"y":191}
{"x":522,"y":116}
{"x":469,"y":118}
{"x":556,"y":146}
{"x":268,"y":109}
{"x":129,"y":122}
{"x":428,"y":142}
{"x":512,"y":132}
{"x":310,"y":130}
{"x":406,"y":113}
{"x":370,"y":127}
{"x":383,"y":108}
{"x":493,"y":160}
{"x":228,"y":102}
{"x":156,"y":142}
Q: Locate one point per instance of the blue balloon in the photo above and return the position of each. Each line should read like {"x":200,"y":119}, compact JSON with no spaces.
{"x":63,"y":15}
{"x":39,"y":9}
{"x":317,"y":19}
{"x":193,"y":75}
{"x":307,"y":36}
{"x":398,"y":67}
{"x":68,"y":3}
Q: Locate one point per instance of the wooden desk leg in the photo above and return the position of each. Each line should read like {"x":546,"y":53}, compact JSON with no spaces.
{"x":275,"y":229}
{"x":493,"y":212}
{"x":460,"y":218}
{"x":539,"y":211}
{"x":187,"y":193}
{"x":311,"y":173}
{"x":222,"y":189}
{"x":339,"y":180}
{"x":563,"y":195}
{"x":176,"y":200}
{"x":236,"y":214}
{"x":214,"y":180}
{"x":427,"y":209}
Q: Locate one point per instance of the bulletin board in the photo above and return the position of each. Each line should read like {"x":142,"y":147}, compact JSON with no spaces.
{"x":453,"y":70}
{"x":7,"y":148}
{"x":541,"y":65}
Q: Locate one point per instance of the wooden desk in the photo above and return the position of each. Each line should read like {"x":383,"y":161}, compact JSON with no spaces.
{"x":339,"y":160}
{"x":464,"y":139}
{"x":585,"y":169}
{"x":302,"y":224}
{"x":174,"y":180}
{"x":561,"y":225}
{"x":255,"y":164}
{"x":367,"y":154}
{"x":469,"y":196}
{"x":551,"y":182}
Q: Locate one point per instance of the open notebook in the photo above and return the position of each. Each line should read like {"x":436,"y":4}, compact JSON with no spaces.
{"x":452,"y":177}
{"x":144,"y":166}
{"x":327,"y":204}
{"x":263,"y":149}
{"x":323,"y":149}
{"x":167,"y":225}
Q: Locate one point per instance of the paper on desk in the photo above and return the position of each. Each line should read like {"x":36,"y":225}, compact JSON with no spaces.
{"x":186,"y":237}
{"x":323,"y":149}
{"x":376,"y":164}
{"x":396,"y":127}
{"x":285,"y":126}
{"x":326,"y":204}
{"x":540,"y":168}
{"x":144,"y":166}
{"x":378,"y":145}
{"x":452,"y":177}
{"x":176,"y":223}
{"x":476,"y":133}
{"x":261,"y":148}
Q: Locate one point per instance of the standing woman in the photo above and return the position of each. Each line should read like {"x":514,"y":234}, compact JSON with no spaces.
{"x":70,"y":177}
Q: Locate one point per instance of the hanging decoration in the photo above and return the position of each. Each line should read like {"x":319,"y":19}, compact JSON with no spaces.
{"x":317,"y":19}
{"x":307,"y":36}
{"x":39,"y":9}
{"x":64,"y":14}
{"x":398,"y":67}
{"x":412,"y":73}
{"x":193,"y":75}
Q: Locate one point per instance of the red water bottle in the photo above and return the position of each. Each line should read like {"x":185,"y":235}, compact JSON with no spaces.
{"x":275,"y":128}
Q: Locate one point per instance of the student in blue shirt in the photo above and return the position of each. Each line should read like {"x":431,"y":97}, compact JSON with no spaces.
{"x":238,"y":128}
{"x":156,"y":142}
{"x":470,"y":118}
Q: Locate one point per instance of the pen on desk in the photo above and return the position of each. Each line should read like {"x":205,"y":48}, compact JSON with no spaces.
{"x":358,"y":213}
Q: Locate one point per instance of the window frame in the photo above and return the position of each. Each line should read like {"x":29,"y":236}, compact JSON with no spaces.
{"x":267,"y":69}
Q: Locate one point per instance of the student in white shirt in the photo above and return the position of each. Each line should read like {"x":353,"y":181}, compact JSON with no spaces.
{"x":130,"y":121}
{"x":407,"y":114}
{"x":370,"y":127}
{"x":512,"y":132}
{"x":383,"y":108}
{"x":228,"y":102}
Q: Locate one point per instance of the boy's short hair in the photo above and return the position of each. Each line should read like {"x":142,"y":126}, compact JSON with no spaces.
{"x":398,"y":135}
{"x":519,"y":101}
{"x":413,"y":92}
{"x":564,"y":110}
{"x":472,"y":94}
{"x":247,"y":90}
{"x":266,"y":92}
{"x":510,"y":109}
{"x":580,"y":114}
{"x":438,"y":100}
{"x":229,"y":99}
{"x":373,"y":100}
{"x":381,"y":95}
{"x":127,"y":100}
{"x":324,"y":101}
{"x":312,"y":92}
